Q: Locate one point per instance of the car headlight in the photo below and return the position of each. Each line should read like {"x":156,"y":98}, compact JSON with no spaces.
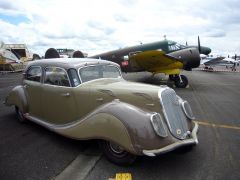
{"x":187,"y":110}
{"x":158,"y":125}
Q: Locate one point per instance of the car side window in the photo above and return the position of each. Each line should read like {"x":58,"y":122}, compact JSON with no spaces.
{"x":56,"y":76}
{"x":34,"y":74}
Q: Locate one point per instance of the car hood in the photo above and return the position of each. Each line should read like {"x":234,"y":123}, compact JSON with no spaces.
{"x":138,"y":94}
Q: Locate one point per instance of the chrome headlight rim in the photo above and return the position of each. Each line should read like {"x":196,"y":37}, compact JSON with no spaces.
{"x":189,"y":115}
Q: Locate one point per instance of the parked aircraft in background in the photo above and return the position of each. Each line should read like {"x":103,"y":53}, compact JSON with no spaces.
{"x":13,"y":57}
{"x":7,"y":56}
{"x":210,"y":61}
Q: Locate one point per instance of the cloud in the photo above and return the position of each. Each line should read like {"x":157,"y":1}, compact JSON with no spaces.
{"x":97,"y":26}
{"x":217,"y":33}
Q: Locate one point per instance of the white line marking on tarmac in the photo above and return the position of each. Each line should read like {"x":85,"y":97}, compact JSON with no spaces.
{"x":79,"y":168}
{"x":218,"y":125}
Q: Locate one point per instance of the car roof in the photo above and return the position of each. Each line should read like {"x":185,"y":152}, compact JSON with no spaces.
{"x":67,"y":63}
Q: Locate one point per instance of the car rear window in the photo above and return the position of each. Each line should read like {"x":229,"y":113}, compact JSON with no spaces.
{"x":99,"y":71}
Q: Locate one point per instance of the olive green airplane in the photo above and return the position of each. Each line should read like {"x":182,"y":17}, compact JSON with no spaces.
{"x":165,"y":56}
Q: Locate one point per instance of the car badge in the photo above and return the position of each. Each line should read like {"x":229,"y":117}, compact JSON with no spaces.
{"x":179,"y":131}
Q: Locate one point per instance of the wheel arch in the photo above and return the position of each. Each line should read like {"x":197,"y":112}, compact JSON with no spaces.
{"x":17,"y":97}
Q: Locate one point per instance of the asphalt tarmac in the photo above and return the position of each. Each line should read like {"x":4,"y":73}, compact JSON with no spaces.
{"x":28,"y":151}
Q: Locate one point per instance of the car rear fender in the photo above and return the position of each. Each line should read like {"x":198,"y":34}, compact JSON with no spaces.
{"x":17,"y":97}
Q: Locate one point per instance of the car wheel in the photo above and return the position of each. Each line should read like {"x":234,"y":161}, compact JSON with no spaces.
{"x":116,"y":154}
{"x":20,"y":115}
{"x":179,"y":83}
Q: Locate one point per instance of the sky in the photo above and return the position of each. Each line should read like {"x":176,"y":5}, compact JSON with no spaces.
{"x":96,"y":26}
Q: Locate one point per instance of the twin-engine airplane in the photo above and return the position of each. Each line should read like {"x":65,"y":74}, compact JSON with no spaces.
{"x":165,"y":56}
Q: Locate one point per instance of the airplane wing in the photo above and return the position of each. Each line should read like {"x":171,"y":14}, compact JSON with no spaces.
{"x":213,"y":61}
{"x":156,"y":61}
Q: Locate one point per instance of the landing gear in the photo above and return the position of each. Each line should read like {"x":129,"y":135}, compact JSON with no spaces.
{"x":180,"y":81}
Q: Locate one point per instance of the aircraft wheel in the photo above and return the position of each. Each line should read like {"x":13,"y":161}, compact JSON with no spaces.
{"x":181,"y":82}
{"x":116,"y":154}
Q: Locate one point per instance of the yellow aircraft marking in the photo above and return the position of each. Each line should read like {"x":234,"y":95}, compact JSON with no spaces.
{"x":218,"y":125}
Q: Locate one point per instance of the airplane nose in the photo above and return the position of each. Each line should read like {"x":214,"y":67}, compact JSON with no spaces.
{"x":190,"y":58}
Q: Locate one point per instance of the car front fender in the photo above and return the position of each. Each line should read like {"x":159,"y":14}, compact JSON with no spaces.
{"x":116,"y":121}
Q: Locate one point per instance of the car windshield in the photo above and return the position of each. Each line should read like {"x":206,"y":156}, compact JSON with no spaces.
{"x":99,"y":71}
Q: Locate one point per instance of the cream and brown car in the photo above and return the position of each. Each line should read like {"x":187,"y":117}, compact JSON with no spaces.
{"x":88,"y":99}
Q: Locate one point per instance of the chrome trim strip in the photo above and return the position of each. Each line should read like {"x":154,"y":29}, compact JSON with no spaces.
{"x":180,"y":143}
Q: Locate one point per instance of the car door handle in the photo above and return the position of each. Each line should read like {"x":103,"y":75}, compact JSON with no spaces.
{"x":99,"y":99}
{"x":65,"y":94}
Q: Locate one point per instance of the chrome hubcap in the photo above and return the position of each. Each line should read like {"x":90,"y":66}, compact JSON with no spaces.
{"x":116,"y":149}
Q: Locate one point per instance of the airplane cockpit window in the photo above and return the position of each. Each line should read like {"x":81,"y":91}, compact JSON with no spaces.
{"x":175,"y":47}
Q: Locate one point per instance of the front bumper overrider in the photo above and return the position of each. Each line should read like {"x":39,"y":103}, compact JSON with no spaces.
{"x":191,"y":141}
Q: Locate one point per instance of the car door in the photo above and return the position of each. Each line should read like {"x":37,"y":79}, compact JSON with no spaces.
{"x":58,"y":102}
{"x":33,"y":88}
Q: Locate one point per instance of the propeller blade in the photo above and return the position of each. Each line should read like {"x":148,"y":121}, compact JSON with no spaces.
{"x":199,"y":45}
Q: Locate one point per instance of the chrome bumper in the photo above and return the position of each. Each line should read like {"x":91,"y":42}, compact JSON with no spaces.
{"x":193,"y":140}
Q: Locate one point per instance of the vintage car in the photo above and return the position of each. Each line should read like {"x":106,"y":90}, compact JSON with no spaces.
{"x":88,"y":99}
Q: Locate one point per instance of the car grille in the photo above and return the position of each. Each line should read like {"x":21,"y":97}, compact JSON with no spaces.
{"x":173,"y":113}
